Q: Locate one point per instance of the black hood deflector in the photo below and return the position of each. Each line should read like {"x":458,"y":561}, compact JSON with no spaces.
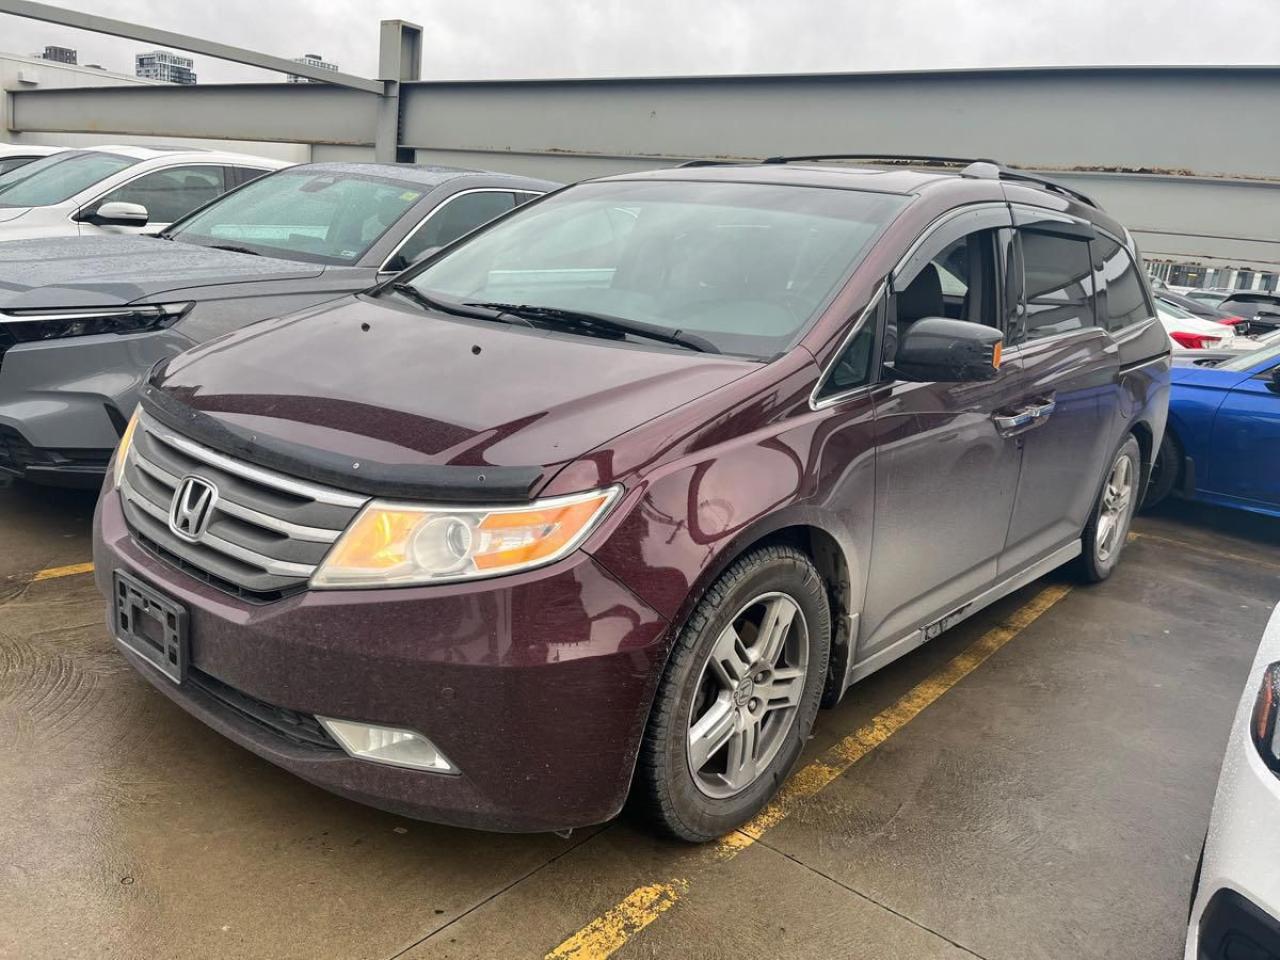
{"x":443,"y":483}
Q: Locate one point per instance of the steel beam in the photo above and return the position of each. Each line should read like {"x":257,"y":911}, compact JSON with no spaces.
{"x":1120,"y":118}
{"x":182,"y":41}
{"x":287,"y":113}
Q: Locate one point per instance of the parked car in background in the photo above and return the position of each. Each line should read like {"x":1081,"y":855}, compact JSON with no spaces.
{"x":1189,"y":332}
{"x":1235,"y":896}
{"x":81,"y":320}
{"x":15,"y":155}
{"x":117,"y":189}
{"x":1222,"y":443}
{"x":1210,"y":296}
{"x":1260,"y":308}
{"x":616,"y":490}
{"x":1202,"y":310}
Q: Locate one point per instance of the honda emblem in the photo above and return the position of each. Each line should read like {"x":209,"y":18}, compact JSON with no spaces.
{"x":192,"y":508}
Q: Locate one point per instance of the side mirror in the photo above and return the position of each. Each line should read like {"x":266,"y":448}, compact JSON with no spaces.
{"x":1273,"y":384}
{"x":943,"y":350}
{"x":117,"y":213}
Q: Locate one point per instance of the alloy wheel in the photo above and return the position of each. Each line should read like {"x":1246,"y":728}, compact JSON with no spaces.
{"x":1117,"y":498}
{"x":748,"y":695}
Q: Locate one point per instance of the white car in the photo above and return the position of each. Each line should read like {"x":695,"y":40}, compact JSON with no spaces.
{"x":117,"y":189}
{"x":1186,"y":331}
{"x":1235,"y":906}
{"x":15,"y":155}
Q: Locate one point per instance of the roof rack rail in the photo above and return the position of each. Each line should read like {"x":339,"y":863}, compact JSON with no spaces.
{"x":712,"y":163}
{"x":889,"y":157}
{"x":972,"y":167}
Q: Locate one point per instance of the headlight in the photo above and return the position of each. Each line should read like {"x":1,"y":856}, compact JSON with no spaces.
{"x":28,"y":326}
{"x":397,"y":544}
{"x":1266,"y":736}
{"x":122,"y":451}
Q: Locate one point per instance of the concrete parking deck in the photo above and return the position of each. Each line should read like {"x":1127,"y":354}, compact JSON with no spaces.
{"x":1034,"y":783}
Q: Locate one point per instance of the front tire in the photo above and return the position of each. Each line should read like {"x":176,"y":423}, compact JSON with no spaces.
{"x":739,"y":696}
{"x":1108,"y":525}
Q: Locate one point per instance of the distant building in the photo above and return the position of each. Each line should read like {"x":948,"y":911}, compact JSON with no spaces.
{"x":311,"y":60}
{"x":59,"y":54}
{"x":164,"y":66}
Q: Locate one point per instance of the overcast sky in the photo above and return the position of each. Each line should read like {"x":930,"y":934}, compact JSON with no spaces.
{"x":482,"y":39}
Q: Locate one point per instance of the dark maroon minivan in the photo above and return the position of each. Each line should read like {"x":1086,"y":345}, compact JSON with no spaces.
{"x":609,"y":497}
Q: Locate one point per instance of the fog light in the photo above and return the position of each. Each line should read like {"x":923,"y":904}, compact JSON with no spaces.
{"x":389,"y":745}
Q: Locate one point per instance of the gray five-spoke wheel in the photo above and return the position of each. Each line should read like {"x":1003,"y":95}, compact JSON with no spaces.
{"x":748,"y":695}
{"x":1113,"y":517}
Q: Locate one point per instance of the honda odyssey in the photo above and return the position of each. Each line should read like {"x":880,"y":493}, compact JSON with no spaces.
{"x":608,"y":497}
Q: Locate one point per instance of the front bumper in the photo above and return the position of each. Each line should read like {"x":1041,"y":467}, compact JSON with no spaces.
{"x":1239,"y":891}
{"x":536,"y":686}
{"x":64,"y":402}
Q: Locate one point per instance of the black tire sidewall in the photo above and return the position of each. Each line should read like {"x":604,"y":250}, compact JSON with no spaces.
{"x":1168,"y":458}
{"x":685,"y":810}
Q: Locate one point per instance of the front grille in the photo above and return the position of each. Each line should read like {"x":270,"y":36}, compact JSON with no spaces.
{"x":266,"y":533}
{"x":299,"y":728}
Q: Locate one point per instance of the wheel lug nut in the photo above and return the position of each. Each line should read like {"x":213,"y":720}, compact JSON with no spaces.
{"x":760,"y":678}
{"x":754,"y":704}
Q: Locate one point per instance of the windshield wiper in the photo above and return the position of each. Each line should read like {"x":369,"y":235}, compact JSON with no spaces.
{"x":602,"y":322}
{"x":408,"y":290}
{"x":234,"y":249}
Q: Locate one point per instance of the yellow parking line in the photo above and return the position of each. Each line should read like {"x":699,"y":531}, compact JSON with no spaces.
{"x":606,"y":934}
{"x":52,"y":573}
{"x":609,"y":931}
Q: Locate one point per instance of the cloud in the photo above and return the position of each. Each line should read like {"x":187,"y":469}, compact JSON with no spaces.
{"x":482,"y":39}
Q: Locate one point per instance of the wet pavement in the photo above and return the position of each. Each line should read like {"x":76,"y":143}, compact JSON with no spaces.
{"x":1049,"y":801}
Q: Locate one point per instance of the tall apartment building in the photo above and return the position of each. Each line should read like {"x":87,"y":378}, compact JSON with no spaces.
{"x":311,"y":60}
{"x":59,"y":54}
{"x":165,"y":66}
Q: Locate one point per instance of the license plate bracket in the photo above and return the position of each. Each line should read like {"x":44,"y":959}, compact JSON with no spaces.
{"x":150,"y":625}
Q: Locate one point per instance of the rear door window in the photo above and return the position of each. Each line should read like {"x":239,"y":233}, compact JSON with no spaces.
{"x":1057,"y":285}
{"x":1122,"y":302}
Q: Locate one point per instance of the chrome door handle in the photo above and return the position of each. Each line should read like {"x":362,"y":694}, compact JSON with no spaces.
{"x":1026,"y":416}
{"x":1014,"y":420}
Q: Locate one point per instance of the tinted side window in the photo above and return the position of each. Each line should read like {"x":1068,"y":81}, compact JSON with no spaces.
{"x":453,"y":219}
{"x":239,"y":175}
{"x":1124,"y":302}
{"x":171,"y":194}
{"x":1057,"y":285}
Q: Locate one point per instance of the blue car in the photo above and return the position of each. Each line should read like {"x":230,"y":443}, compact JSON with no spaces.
{"x":1222,"y":443}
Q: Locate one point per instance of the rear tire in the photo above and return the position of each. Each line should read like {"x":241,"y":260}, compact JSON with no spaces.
{"x":1164,"y":471}
{"x":738,"y":698}
{"x":1108,"y":525}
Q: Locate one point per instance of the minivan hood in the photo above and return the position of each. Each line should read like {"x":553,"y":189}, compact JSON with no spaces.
{"x":100,"y":271}
{"x":379,"y":386}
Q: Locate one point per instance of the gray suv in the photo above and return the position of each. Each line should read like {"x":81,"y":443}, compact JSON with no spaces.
{"x":83,"y":319}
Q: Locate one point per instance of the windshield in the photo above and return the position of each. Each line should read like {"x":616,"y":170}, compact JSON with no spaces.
{"x":1247,"y":361}
{"x":744,"y":267}
{"x":317,"y":216}
{"x":58,"y":177}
